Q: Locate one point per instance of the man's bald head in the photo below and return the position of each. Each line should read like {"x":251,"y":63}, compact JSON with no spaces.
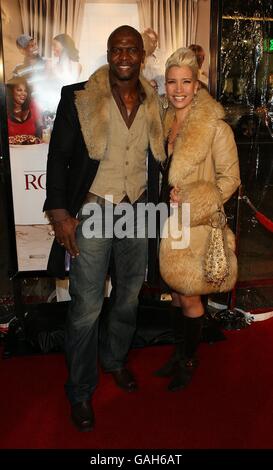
{"x":126,"y":29}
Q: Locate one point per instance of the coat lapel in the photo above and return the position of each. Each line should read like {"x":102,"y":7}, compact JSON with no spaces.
{"x":195,"y":138}
{"x":93,"y":107}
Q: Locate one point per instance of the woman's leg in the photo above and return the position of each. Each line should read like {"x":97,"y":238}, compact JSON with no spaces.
{"x":191,"y":305}
{"x":193,"y":311}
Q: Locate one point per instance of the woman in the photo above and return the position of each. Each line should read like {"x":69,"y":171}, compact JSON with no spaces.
{"x":67,"y":67}
{"x":24,"y":118}
{"x":203,"y":171}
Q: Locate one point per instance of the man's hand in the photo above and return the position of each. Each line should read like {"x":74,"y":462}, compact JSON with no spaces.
{"x":65,"y":231}
{"x":64,"y":226}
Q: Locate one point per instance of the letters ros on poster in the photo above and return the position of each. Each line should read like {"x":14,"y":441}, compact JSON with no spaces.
{"x":28,"y":169}
{"x":35,"y":180}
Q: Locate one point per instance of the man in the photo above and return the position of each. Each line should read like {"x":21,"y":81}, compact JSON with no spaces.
{"x":98,"y":147}
{"x":153,"y":69}
{"x":200,"y":56}
{"x":33,"y":63}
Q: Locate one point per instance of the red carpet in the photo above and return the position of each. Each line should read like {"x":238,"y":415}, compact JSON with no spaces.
{"x":229,"y":403}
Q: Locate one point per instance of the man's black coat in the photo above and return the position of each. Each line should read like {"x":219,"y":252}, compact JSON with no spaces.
{"x":70,"y":169}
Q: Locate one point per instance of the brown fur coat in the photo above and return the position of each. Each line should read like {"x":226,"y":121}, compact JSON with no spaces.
{"x":205,"y":167}
{"x":94,"y":114}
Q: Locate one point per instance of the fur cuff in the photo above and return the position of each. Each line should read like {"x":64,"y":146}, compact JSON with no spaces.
{"x":183,"y":269}
{"x":204,"y":198}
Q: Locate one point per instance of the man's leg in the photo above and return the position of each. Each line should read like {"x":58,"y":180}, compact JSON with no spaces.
{"x":87,"y":280}
{"x":118,"y":327}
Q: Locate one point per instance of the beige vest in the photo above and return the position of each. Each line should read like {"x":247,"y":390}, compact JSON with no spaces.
{"x":123,"y":169}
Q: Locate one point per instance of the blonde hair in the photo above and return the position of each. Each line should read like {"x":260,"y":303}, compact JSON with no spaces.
{"x":183,"y":57}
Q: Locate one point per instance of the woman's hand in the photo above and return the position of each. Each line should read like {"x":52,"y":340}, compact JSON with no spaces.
{"x":174,"y":195}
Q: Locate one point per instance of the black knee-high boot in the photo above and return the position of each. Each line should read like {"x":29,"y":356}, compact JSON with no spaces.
{"x":187,"y":361}
{"x":177,"y":321}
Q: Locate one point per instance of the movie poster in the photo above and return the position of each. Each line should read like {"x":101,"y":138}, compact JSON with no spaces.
{"x":45,"y":49}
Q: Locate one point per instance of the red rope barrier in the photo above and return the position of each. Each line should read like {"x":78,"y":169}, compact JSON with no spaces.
{"x":265,"y":221}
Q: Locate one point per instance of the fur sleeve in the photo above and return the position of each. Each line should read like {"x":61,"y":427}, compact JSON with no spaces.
{"x":204,"y":198}
{"x":225,"y":155}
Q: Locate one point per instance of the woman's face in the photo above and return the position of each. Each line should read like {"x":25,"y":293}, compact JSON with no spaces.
{"x":180,"y":86}
{"x":57,"y":48}
{"x":20,"y":93}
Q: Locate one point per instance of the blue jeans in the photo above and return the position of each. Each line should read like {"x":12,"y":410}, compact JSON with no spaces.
{"x":87,"y":283}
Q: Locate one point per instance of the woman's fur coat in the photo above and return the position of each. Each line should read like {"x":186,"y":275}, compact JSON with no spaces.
{"x":205,"y":167}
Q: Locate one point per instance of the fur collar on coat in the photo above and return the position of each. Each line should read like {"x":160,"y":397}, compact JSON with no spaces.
{"x":93,"y":108}
{"x":195,"y":139}
{"x":183,"y":269}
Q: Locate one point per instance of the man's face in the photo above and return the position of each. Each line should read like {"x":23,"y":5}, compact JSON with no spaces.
{"x":31,"y":50}
{"x":125,"y":55}
{"x":200,"y":56}
{"x":153,"y":41}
